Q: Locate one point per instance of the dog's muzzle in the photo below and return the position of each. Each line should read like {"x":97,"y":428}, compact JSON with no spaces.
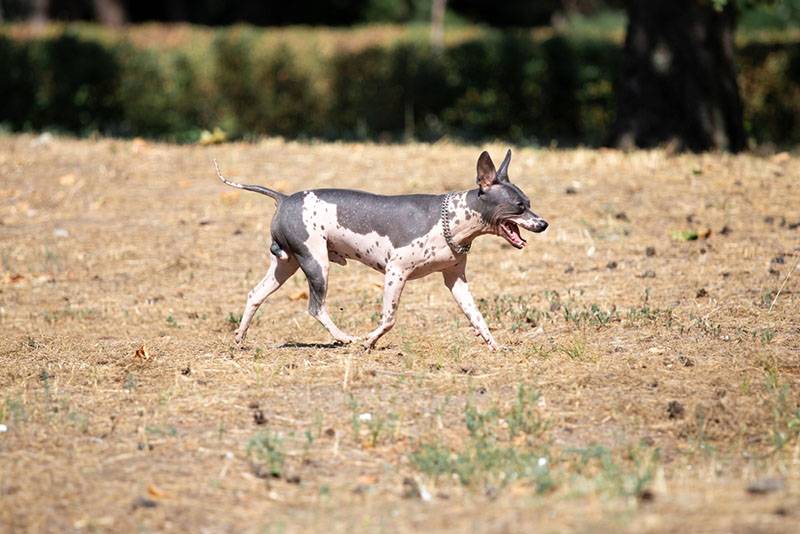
{"x":531,"y":222}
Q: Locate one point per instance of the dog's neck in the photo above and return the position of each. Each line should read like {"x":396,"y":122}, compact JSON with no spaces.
{"x":466,"y":222}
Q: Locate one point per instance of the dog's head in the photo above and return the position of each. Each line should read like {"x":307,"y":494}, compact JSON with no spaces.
{"x":503,"y":205}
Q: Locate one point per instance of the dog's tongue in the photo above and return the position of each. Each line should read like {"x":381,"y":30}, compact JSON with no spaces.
{"x":512,"y":235}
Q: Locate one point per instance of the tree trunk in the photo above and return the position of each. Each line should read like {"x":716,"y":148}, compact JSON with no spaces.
{"x":438,"y":8}
{"x":678,"y":83}
{"x":40,"y":12}
{"x":110,"y":12}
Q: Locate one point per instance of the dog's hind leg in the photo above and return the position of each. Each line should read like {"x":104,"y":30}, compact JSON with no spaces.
{"x":280,"y":270}
{"x":316,"y":268}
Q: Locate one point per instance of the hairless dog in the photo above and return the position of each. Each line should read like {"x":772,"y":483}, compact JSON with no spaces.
{"x":403,"y":236}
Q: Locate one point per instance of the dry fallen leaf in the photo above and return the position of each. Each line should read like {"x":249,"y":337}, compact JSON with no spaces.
{"x":67,"y":179}
{"x":142,"y":354}
{"x":139,"y":144}
{"x":15,"y":278}
{"x":155,"y":492}
{"x":368,"y":479}
{"x":781,"y":157}
{"x":299,"y":295}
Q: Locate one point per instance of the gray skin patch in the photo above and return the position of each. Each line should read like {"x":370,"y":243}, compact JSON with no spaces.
{"x":289,"y":232}
{"x":401,"y":218}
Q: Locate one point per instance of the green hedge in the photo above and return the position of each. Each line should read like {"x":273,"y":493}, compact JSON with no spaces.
{"x":520,"y":86}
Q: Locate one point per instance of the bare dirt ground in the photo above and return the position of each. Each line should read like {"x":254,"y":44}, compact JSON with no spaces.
{"x":649,"y":383}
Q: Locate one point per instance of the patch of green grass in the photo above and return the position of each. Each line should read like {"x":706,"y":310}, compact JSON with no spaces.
{"x":491,"y":455}
{"x":233,"y":320}
{"x":13,"y":409}
{"x":129,"y":382}
{"x":503,"y":446}
{"x":54,"y":316}
{"x":593,"y":316}
{"x":265,"y":451}
{"x":171,"y":321}
{"x":705,"y":326}
{"x":516,"y":312}
{"x":161,"y":431}
{"x":766,"y":335}
{"x":575,"y":349}
{"x":785,"y":413}
{"x":596,"y":470}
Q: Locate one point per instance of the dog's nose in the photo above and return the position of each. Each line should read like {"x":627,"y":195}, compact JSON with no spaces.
{"x":541,"y":225}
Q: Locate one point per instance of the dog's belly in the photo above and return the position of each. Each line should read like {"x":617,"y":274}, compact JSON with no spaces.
{"x":421,"y":257}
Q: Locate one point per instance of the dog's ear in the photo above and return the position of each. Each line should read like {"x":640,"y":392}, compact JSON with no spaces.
{"x":502,"y":172}
{"x":487,"y":175}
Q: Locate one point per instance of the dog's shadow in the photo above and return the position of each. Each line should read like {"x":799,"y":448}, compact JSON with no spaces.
{"x":303,"y":345}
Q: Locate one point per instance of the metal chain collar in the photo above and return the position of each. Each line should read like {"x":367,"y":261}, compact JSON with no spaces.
{"x":448,"y":237}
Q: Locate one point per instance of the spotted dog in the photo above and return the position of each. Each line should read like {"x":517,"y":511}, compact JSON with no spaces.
{"x":404,"y":236}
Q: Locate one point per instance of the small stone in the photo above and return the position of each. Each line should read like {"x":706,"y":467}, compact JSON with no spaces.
{"x":258,"y":417}
{"x":571,"y":191}
{"x":144,"y":502}
{"x":701,"y":293}
{"x":762,"y":486}
{"x":414,"y":490}
{"x":650,"y":252}
{"x":611,"y":265}
{"x":675,"y":410}
{"x":647,"y":495}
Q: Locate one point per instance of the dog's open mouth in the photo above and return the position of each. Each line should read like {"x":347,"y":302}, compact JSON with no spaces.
{"x":510,"y":231}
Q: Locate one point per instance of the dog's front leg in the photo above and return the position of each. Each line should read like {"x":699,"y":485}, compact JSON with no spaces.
{"x":393,"y":284}
{"x":455,"y":278}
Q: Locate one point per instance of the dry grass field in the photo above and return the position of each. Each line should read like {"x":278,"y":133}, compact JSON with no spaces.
{"x":650,"y":382}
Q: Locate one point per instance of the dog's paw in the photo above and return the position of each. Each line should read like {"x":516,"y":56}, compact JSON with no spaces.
{"x":346,"y":339}
{"x":492,"y":344}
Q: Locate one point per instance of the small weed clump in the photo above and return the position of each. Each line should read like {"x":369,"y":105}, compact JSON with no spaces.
{"x":501,"y":447}
{"x":233,"y":320}
{"x":504,"y":446}
{"x":265,"y":451}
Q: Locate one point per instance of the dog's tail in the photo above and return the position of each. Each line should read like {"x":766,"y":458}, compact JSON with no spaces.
{"x":277,"y":195}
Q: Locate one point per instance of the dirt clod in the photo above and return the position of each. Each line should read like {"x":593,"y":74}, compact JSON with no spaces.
{"x":675,"y":410}
{"x":144,"y":502}
{"x":762,"y":486}
{"x":259,"y":418}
